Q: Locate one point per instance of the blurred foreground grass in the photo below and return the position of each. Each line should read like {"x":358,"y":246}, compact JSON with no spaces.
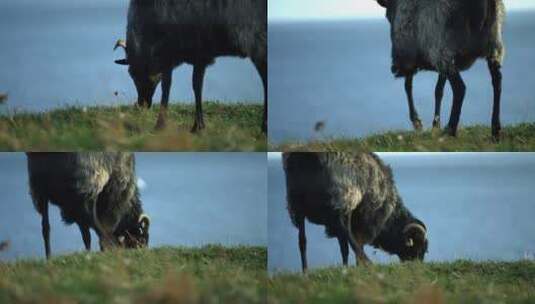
{"x":519,"y":137}
{"x":457,"y":282}
{"x":211,"y":274}
{"x":229,"y":127}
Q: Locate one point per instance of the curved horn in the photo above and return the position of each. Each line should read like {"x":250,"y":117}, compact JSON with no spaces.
{"x":142,"y":217}
{"x":120,"y":43}
{"x":417,"y":226}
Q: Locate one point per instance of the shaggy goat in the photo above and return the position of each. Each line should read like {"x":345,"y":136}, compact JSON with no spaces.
{"x":446,"y":36}
{"x":353,"y":195}
{"x":163,"y":34}
{"x":93,"y":190}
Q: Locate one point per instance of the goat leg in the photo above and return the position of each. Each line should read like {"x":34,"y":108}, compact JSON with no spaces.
{"x":344,"y":248}
{"x":413,"y":114}
{"x":459,"y":90}
{"x":86,"y":236}
{"x":496,"y":74}
{"x":167,"y":78}
{"x":439,"y":94}
{"x":356,"y":245}
{"x":45,"y":225}
{"x":302,"y":243}
{"x":198,"y":79}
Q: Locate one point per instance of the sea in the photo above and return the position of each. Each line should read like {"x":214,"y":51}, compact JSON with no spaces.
{"x":60,"y":53}
{"x":338,"y":73}
{"x":476,"y":206}
{"x":193,"y":199}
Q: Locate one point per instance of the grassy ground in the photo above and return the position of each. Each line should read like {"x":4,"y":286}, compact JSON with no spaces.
{"x":458,"y":282}
{"x":475,"y":138}
{"x":211,"y":274}
{"x":229,"y":127}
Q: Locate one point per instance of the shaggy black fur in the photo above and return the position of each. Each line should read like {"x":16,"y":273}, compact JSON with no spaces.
{"x":75,"y":182}
{"x":446,"y":36}
{"x":354,"y":196}
{"x":163,"y":34}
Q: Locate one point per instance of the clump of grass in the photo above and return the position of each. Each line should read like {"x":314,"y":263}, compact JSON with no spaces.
{"x":229,"y":127}
{"x":211,"y":274}
{"x":457,"y":282}
{"x":519,"y":137}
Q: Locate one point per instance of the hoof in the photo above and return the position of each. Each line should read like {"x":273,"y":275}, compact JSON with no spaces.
{"x":160,"y":124}
{"x":197,"y":128}
{"x":417,"y":124}
{"x":436,"y":124}
{"x":450,"y":131}
{"x":496,"y":133}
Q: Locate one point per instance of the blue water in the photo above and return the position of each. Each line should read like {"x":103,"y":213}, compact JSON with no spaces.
{"x":476,"y":206}
{"x":54,"y":54}
{"x":339,"y":73}
{"x":193,"y":199}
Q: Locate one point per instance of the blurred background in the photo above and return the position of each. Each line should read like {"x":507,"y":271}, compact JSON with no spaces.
{"x":60,"y":52}
{"x":193,"y":199}
{"x":477,"y":206}
{"x":329,"y":61}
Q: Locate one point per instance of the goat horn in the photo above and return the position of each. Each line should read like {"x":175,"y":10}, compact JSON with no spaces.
{"x":142,"y":217}
{"x":414,"y":225}
{"x":120,"y":43}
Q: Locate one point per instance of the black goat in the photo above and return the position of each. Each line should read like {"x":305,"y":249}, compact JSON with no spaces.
{"x":353,"y":195}
{"x":93,"y":190}
{"x":446,"y":36}
{"x":163,"y":34}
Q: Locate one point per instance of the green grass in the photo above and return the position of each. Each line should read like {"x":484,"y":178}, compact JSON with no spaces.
{"x":211,"y":274}
{"x":519,"y":137}
{"x":457,"y":282}
{"x":229,"y":127}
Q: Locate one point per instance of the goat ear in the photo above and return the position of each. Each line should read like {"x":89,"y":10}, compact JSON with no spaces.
{"x":383,"y":3}
{"x":122,"y":62}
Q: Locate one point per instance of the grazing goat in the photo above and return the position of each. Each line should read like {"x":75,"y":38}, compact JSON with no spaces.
{"x":446,"y":36}
{"x":94,"y":190}
{"x":163,"y":34}
{"x":353,"y":195}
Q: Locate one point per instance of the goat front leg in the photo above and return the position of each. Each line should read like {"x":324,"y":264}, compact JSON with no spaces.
{"x":261,"y":67}
{"x":167,"y":78}
{"x":198,"y":79}
{"x":45,"y":225}
{"x":413,"y":114}
{"x":459,"y":90}
{"x":496,"y":74}
{"x":86,"y":236}
{"x":302,"y":243}
{"x":344,"y":248}
{"x":439,"y":94}
{"x":357,"y":245}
